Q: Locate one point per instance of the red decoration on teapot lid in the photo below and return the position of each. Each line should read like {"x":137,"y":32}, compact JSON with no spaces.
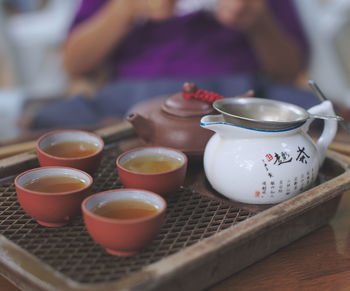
{"x":190,"y":102}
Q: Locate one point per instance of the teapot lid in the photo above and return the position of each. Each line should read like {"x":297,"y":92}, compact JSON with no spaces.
{"x":179,"y":106}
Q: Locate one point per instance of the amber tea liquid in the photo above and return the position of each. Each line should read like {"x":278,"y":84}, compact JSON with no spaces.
{"x":55,"y":184}
{"x":154,"y":163}
{"x":71,"y":149}
{"x":125,"y":209}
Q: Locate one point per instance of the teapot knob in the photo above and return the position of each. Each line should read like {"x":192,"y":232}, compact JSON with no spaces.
{"x":189,"y":87}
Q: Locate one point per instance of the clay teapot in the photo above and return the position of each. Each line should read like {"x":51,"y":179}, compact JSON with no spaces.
{"x":175,"y":122}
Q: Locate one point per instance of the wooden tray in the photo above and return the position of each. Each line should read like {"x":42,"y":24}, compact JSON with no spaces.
{"x":205,"y":238}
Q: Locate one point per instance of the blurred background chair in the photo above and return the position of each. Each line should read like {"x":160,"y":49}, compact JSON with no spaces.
{"x":31,"y":33}
{"x":327,"y":24}
{"x":35,"y":34}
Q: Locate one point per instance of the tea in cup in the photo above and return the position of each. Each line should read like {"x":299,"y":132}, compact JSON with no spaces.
{"x":70,"y":148}
{"x":158,"y":169}
{"x":52,"y":195}
{"x":124,"y":221}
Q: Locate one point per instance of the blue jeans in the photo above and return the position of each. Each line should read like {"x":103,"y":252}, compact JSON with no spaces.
{"x":117,"y":98}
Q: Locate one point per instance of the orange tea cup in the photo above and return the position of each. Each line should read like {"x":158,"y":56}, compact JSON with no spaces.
{"x":158,"y":169}
{"x":124,"y":221}
{"x":70,"y":148}
{"x":52,"y":195}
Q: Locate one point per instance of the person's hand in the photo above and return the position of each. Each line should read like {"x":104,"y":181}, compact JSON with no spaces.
{"x":156,"y":10}
{"x":243,"y":15}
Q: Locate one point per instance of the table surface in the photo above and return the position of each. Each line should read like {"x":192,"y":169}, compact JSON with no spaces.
{"x":318,"y":261}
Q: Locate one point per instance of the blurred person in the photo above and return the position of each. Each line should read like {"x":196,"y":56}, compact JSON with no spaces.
{"x":151,"y":51}
{"x":239,"y":36}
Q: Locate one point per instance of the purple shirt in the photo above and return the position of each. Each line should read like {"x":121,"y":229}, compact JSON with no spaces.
{"x":194,"y":45}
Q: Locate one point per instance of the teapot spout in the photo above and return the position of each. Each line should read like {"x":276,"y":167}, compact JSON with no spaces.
{"x":212,"y":122}
{"x":143,"y":126}
{"x":218,"y":124}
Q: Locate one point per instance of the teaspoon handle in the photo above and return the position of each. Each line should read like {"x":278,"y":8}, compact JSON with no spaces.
{"x":323,"y":97}
{"x":336,"y":117}
{"x":317,"y":90}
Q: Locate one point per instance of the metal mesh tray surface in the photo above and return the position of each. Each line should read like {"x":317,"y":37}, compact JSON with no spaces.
{"x":74,"y":257}
{"x":190,"y":217}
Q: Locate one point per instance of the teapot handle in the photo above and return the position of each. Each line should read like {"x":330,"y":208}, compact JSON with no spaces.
{"x":329,"y":128}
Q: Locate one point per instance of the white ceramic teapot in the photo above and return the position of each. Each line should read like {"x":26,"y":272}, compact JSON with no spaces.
{"x":261,"y":152}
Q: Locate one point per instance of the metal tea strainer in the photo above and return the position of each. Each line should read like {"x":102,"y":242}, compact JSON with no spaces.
{"x":259,"y":113}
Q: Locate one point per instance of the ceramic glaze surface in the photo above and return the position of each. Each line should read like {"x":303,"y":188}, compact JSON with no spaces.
{"x":52,"y":209}
{"x":163,"y":183}
{"x":261,"y":166}
{"x":88,"y":163}
{"x":123,"y":237}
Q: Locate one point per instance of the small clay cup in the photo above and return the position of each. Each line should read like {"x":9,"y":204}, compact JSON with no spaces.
{"x":52,"y":209}
{"x":123,"y":237}
{"x":88,"y":163}
{"x":163,"y":183}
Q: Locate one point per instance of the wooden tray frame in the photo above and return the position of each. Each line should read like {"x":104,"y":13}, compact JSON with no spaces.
{"x":202,"y":264}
